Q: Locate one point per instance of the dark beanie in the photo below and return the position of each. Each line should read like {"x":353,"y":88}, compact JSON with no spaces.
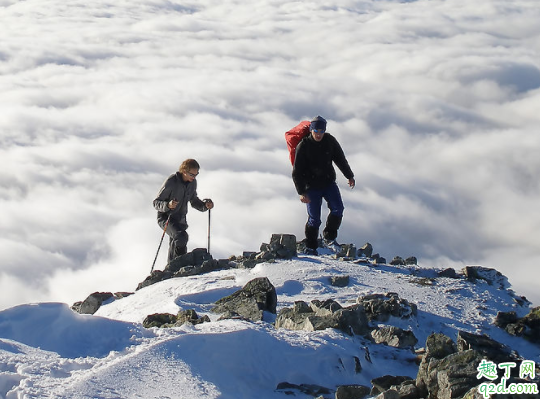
{"x":318,"y":123}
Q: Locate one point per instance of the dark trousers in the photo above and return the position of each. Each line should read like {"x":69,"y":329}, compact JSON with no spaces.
{"x":332,"y":196}
{"x":178,"y":237}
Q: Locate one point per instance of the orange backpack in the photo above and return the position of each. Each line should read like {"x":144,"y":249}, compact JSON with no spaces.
{"x":294,"y":136}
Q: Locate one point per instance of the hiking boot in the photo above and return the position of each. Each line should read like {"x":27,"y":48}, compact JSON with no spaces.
{"x":331,"y":244}
{"x":310,"y":251}
{"x":303,"y":248}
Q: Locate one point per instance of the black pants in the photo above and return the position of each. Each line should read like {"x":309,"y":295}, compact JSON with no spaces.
{"x":178,"y":237}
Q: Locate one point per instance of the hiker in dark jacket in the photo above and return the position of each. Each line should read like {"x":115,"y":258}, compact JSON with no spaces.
{"x":172,"y":204}
{"x":315,"y":178}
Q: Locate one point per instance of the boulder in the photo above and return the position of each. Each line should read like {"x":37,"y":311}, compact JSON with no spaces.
{"x":194,"y":258}
{"x":450,"y":371}
{"x":346,"y":251}
{"x":155,"y":277}
{"x":164,"y":320}
{"x":320,"y":315}
{"x":449,"y":272}
{"x":365,"y":250}
{"x":191,"y":317}
{"x":491,"y":276}
{"x":339,"y":281}
{"x":489,"y":348}
{"x":92,"y":303}
{"x":386,"y":382}
{"x":159,"y":320}
{"x":527,"y":326}
{"x":306,"y":389}
{"x":438,"y":346}
{"x":256,"y":297}
{"x":352,"y":392}
{"x":411,"y":260}
{"x":394,"y":336}
{"x":381,"y":306}
{"x":397,"y":261}
{"x":390,"y":394}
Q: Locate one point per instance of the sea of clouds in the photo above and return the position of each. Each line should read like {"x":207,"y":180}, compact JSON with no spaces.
{"x":436,"y":104}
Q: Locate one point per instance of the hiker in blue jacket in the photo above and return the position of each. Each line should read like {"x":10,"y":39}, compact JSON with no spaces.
{"x":172,"y":205}
{"x":315,"y":179}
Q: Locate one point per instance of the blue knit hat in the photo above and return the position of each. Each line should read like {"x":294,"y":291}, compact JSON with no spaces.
{"x":318,"y":123}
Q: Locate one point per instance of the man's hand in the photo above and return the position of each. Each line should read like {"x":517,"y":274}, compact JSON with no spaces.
{"x":352,"y":183}
{"x":209,"y":204}
{"x":172,"y":204}
{"x":305,"y":199}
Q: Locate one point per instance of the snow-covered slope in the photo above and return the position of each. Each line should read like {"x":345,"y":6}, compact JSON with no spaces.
{"x":47,"y":350}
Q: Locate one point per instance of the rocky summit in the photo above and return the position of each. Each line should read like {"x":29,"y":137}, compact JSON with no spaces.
{"x":274,"y":323}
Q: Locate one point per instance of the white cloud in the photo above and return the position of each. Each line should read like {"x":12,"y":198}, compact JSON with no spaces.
{"x":434,"y":102}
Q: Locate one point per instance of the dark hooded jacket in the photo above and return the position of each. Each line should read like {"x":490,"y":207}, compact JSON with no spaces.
{"x":181,"y":191}
{"x":313,"y":166}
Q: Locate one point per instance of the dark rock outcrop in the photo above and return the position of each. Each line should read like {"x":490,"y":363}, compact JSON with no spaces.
{"x":164,"y":320}
{"x":320,"y":315}
{"x":381,"y":306}
{"x":527,"y":326}
{"x":92,"y":303}
{"x":256,"y":297}
{"x":394,"y":336}
{"x":352,"y":392}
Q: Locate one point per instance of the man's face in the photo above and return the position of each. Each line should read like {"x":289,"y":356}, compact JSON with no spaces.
{"x":317,"y":134}
{"x":190,"y":175}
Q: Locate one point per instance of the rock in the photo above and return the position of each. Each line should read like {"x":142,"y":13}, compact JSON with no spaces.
{"x":407,"y":390}
{"x":381,"y":306}
{"x":155,"y":277}
{"x":394,"y":336}
{"x":206,"y":267}
{"x":307,"y":389}
{"x":191,"y":317}
{"x":365,"y":251}
{"x":384,"y":383}
{"x":322,"y":315}
{"x":92,"y":303}
{"x":120,"y":295}
{"x":491,"y":276}
{"x":282,"y":246}
{"x":325,"y":308}
{"x":438,"y":346}
{"x":352,"y":392}
{"x":390,"y":394}
{"x":397,"y":261}
{"x":163,"y":320}
{"x":346,"y":251}
{"x":527,"y":326}
{"x":194,"y":258}
{"x":251,"y":301}
{"x":456,"y":374}
{"x":339,"y":281}
{"x":450,"y":371}
{"x":449,"y":272}
{"x":353,"y":320}
{"x":159,"y":320}
{"x":488,"y":347}
{"x":411,"y":260}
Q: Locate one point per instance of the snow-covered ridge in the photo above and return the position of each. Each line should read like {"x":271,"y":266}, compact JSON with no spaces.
{"x":47,"y":350}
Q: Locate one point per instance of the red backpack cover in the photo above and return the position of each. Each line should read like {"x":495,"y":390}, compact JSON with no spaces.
{"x":294,"y":136}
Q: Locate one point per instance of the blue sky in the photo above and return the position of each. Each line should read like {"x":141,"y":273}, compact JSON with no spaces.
{"x":435,"y":103}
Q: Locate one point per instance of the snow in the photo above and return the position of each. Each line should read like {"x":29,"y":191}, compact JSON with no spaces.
{"x":47,"y":350}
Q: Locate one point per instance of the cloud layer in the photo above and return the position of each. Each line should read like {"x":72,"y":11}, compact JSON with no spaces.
{"x":435,"y":103}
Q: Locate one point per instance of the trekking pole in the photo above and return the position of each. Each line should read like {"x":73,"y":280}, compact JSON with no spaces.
{"x":209,"y":231}
{"x":160,"y":242}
